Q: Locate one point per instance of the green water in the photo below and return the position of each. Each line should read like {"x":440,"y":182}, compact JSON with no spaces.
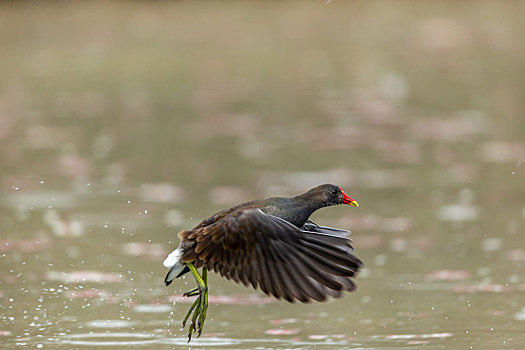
{"x":123,"y":123}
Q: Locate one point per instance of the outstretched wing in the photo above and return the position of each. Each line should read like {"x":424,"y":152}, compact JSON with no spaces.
{"x":251,"y":247}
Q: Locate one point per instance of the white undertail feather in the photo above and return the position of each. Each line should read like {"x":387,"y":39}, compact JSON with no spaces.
{"x":172,"y":258}
{"x":174,"y":264}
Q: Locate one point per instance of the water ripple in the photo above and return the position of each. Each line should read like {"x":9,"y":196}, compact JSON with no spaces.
{"x":135,"y":339}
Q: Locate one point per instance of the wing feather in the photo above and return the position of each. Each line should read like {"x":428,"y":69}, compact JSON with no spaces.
{"x":254,"y":248}
{"x":312,"y":226}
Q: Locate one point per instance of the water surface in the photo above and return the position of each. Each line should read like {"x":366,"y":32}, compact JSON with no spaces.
{"x":124,"y":123}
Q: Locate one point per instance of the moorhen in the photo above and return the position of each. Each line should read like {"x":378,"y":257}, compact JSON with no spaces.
{"x":270,"y":244}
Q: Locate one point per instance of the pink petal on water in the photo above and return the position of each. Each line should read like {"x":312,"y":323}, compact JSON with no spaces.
{"x":442,"y":34}
{"x":283,"y":321}
{"x":241,"y":299}
{"x":282,"y":331}
{"x":4,"y":333}
{"x":424,"y":243}
{"x":318,"y":336}
{"x":464,"y":289}
{"x":503,"y":152}
{"x":493,"y":288}
{"x":448,"y":275}
{"x":417,"y":336}
{"x":233,"y":299}
{"x":178,"y":298}
{"x":161,"y":192}
{"x":516,"y":255}
{"x":74,"y":165}
{"x":83,"y":294}
{"x":84,"y":276}
{"x":437,"y":335}
{"x":152,"y":308}
{"x":486,"y":288}
{"x":25,"y":245}
{"x":447,"y":129}
{"x":6,"y":246}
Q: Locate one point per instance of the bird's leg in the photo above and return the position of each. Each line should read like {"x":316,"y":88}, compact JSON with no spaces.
{"x":204,"y":301}
{"x":200,"y":305}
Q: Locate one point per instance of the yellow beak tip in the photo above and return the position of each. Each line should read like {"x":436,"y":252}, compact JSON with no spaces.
{"x":354,"y":204}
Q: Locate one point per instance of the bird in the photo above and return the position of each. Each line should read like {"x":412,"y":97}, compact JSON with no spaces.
{"x":272,"y":245}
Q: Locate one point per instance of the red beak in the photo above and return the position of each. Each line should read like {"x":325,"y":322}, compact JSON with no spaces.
{"x":348,"y":200}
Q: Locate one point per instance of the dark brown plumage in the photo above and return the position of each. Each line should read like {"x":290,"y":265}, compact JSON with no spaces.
{"x":272,"y":245}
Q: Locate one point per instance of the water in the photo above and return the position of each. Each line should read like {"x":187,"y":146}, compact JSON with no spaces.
{"x":122,"y":124}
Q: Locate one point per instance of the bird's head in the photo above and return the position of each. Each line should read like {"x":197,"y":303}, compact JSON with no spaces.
{"x":334,"y":195}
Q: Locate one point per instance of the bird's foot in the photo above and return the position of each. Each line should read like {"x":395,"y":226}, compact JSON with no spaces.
{"x":192,"y":292}
{"x":199,"y":309}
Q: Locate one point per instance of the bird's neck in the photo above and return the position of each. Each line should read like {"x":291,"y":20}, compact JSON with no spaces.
{"x":304,"y":207}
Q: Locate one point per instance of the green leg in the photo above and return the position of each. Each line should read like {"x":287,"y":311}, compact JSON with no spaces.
{"x":204,"y":301}
{"x":200,"y":305}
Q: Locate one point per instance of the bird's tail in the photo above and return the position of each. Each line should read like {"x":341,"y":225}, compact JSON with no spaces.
{"x":177,"y":268}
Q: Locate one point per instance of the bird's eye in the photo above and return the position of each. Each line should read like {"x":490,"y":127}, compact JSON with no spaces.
{"x":333,"y":192}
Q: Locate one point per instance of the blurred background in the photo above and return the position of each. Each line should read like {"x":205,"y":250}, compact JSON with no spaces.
{"x":122,"y":123}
